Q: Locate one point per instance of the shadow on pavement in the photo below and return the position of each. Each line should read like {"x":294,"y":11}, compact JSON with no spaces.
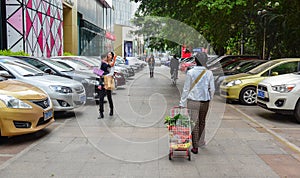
{"x":26,"y":138}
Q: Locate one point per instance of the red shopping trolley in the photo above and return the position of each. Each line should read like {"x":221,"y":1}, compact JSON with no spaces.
{"x":179,"y":127}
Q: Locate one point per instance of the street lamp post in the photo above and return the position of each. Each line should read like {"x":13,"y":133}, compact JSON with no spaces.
{"x":242,"y":44}
{"x":264,"y":14}
{"x":264,"y":40}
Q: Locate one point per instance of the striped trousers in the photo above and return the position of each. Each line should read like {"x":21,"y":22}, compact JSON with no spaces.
{"x":198,"y":112}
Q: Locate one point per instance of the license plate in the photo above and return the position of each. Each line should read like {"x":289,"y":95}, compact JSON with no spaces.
{"x":260,"y":94}
{"x":48,"y":115}
{"x":83,"y":98}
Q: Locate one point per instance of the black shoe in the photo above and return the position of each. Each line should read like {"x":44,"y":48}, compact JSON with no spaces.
{"x":111,"y":113}
{"x":101,"y":115}
{"x":194,"y":150}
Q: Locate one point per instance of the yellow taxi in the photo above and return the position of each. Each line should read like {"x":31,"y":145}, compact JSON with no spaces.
{"x":23,"y":108}
{"x":242,"y":87}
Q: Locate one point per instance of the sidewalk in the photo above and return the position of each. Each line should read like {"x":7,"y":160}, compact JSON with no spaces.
{"x":133,"y":143}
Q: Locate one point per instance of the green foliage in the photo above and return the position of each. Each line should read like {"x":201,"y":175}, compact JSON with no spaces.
{"x":10,"y":53}
{"x":177,"y":119}
{"x":224,"y":22}
{"x":68,"y":54}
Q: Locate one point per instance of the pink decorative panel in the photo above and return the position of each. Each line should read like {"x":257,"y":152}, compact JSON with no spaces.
{"x":41,"y":34}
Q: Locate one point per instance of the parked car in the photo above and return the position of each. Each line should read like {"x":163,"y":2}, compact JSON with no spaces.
{"x":24,"y":108}
{"x":121,"y":63}
{"x":281,"y":94}
{"x":131,"y":65}
{"x":65,"y":94}
{"x":220,"y":61}
{"x":210,"y":58}
{"x":88,"y":80}
{"x":119,"y":76}
{"x":241,"y":66}
{"x":122,"y":70}
{"x":90,"y":63}
{"x":78,"y":66}
{"x":136,"y":61}
{"x":242,"y":86}
{"x":164,"y":60}
{"x":157,"y":62}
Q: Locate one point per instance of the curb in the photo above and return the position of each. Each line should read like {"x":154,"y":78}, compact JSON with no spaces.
{"x":274,"y":134}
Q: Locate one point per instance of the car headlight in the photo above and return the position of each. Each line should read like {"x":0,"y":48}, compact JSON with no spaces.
{"x":61,"y":89}
{"x":283,"y":88}
{"x":234,"y":82}
{"x":12,"y":102}
{"x":92,"y":82}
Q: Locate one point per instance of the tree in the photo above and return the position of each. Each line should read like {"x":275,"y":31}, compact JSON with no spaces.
{"x":229,"y":24}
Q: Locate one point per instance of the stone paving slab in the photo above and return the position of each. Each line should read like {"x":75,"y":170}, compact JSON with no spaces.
{"x":111,"y":147}
{"x":284,"y":165}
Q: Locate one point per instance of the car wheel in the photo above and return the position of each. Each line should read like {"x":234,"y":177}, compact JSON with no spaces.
{"x":3,"y":139}
{"x":248,"y":96}
{"x":297,"y":111}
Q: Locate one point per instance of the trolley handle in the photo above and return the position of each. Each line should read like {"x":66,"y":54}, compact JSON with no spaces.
{"x":179,"y":107}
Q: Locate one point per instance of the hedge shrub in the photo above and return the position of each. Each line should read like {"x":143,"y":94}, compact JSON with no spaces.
{"x":10,"y":53}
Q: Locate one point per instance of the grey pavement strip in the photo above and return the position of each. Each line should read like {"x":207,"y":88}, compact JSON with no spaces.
{"x":6,"y":155}
{"x":14,"y":158}
{"x":277,"y":136}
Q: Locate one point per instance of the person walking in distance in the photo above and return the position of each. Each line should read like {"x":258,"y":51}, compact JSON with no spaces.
{"x":151,"y":64}
{"x":107,"y":66}
{"x":174,"y":64}
{"x":197,"y":92}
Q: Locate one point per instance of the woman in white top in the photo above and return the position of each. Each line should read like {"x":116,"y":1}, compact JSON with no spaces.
{"x":197,"y":95}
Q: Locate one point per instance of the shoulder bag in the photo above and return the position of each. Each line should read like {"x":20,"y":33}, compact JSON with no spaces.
{"x":109,"y":82}
{"x":197,"y":79}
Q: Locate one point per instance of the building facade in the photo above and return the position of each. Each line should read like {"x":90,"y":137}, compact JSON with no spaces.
{"x":95,"y":32}
{"x":33,"y":26}
{"x":51,"y":27}
{"x":125,"y":44}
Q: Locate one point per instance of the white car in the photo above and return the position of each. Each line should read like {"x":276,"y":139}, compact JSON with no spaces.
{"x":280,"y":94}
{"x":76,"y":65}
{"x":65,"y":94}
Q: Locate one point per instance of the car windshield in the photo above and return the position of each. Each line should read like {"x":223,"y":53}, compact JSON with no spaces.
{"x":58,"y":66}
{"x":262,"y":67}
{"x":215,"y":60}
{"x":96,"y":62}
{"x":249,"y":65}
{"x":75,"y":64}
{"x":232,"y":65}
{"x":23,"y":69}
{"x":80,"y":63}
{"x":90,"y":62}
{"x":87,"y":64}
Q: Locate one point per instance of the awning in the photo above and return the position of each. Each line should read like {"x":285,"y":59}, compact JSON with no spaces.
{"x":110,"y":36}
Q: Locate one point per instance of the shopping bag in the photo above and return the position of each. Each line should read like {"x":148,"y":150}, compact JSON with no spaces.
{"x":98,"y":72}
{"x":109,"y":83}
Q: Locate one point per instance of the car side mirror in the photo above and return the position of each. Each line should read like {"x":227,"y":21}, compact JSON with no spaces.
{"x":5,"y":74}
{"x":274,"y":73}
{"x":48,"y":71}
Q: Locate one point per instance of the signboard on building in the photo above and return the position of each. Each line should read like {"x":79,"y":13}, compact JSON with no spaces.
{"x":128,"y":48}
